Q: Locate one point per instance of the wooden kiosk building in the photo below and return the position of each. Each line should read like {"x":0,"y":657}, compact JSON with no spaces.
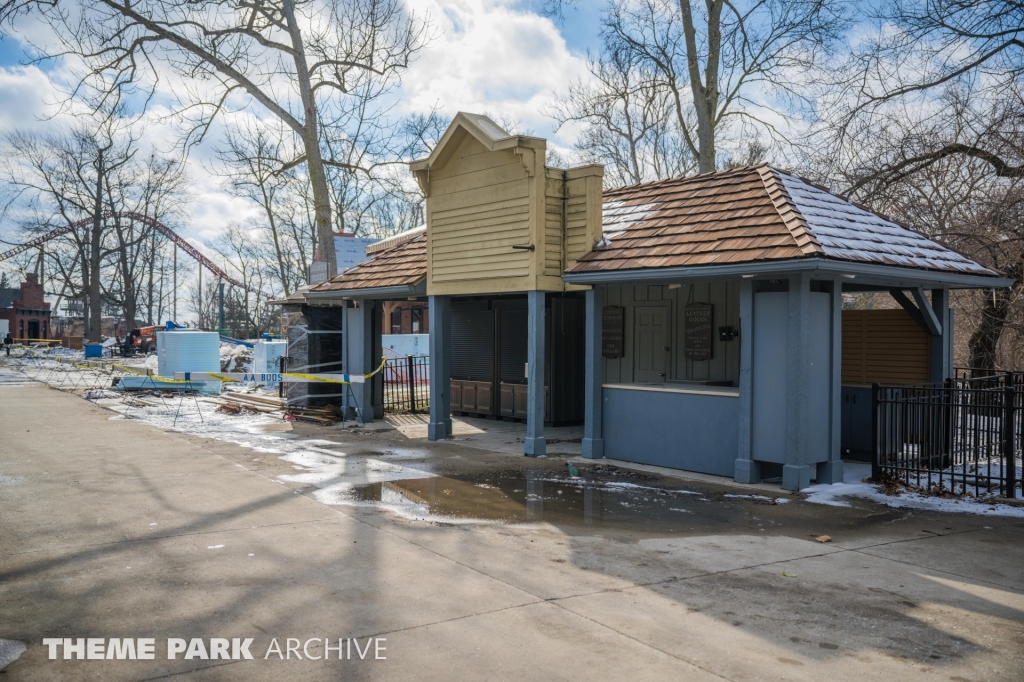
{"x":725,"y":290}
{"x":506,"y":332}
{"x":694,"y":323}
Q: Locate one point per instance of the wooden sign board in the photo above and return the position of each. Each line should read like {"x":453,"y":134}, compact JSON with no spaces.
{"x":697,"y":337}
{"x":613,"y":332}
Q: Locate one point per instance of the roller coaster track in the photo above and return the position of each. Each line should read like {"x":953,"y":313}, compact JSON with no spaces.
{"x":133,"y":217}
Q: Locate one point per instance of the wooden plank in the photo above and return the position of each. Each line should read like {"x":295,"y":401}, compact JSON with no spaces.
{"x":479,"y":182}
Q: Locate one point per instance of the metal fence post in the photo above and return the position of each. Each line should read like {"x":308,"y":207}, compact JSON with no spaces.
{"x":280,"y":385}
{"x":1009,"y":451}
{"x":876,"y":451}
{"x":411,"y":372}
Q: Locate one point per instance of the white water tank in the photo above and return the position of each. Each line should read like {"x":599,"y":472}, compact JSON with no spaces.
{"x":187,"y":351}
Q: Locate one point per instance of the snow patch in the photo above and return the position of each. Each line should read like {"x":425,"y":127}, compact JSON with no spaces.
{"x":10,"y":651}
{"x":853,"y":487}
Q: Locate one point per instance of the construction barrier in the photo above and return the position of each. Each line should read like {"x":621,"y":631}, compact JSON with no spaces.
{"x":277,"y":377}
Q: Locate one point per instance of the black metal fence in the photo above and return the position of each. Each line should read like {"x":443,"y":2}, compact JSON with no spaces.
{"x":407,"y":384}
{"x":960,"y":437}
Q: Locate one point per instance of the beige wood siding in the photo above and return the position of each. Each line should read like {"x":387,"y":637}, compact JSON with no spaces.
{"x":583,"y":228}
{"x":554,"y":218}
{"x":479,"y":208}
{"x":886,"y":347}
{"x":486,"y":195}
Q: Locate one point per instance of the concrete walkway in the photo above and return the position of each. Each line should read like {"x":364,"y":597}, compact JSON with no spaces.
{"x":113,"y":528}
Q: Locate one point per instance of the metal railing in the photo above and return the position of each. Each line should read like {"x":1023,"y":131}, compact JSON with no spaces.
{"x":407,"y":384}
{"x":960,"y":437}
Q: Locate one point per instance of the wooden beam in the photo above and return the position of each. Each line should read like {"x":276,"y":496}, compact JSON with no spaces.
{"x":922,"y":312}
{"x":932,"y":323}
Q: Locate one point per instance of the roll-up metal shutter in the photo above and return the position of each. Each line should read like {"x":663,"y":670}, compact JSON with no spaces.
{"x":473,"y":345}
{"x":513,"y":346}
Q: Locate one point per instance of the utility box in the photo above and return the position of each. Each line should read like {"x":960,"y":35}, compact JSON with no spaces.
{"x":187,"y":351}
{"x":266,"y":357}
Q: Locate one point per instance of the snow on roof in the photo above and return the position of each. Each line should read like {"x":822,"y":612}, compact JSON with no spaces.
{"x":846,"y":231}
{"x":752,"y":214}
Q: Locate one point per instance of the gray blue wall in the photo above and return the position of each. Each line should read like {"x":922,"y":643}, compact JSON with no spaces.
{"x":677,"y":430}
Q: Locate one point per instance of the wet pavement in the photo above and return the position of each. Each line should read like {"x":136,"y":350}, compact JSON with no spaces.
{"x":473,"y":564}
{"x":601,"y":498}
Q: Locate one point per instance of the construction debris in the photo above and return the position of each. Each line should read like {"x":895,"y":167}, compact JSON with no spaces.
{"x":327,"y":415}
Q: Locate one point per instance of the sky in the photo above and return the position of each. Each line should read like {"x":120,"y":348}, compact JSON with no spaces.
{"x":511,"y":61}
{"x":504,"y":58}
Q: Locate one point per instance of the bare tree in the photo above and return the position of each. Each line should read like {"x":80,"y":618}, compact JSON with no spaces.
{"x":253,"y":157}
{"x":955,"y":199}
{"x":711,"y":57}
{"x":378,"y":203}
{"x":933,"y":105}
{"x":627,"y":122}
{"x":298,"y":60}
{"x":246,"y":258}
{"x":64,"y":178}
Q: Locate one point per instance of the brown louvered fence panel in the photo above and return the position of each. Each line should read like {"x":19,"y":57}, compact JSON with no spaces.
{"x":884,"y":346}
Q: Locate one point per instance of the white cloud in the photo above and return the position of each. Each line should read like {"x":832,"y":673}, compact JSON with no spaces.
{"x":28,"y":98}
{"x":488,"y":56}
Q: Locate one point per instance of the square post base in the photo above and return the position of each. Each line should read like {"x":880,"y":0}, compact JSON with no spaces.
{"x":535,"y":447}
{"x":437,"y":431}
{"x":747,"y":471}
{"x":796,"y":476}
{"x":830,"y":472}
{"x":593,"y":448}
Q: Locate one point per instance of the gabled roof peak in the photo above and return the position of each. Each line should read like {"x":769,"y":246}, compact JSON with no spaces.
{"x":483,"y":129}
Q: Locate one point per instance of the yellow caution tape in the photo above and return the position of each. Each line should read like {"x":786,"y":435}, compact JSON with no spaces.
{"x":318,"y":378}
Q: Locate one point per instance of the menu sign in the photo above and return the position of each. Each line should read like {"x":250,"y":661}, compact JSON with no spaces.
{"x":613,"y":332}
{"x":697,"y":337}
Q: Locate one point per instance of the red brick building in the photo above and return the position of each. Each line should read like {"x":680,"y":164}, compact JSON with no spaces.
{"x":406,"y":317}
{"x":29,"y":315}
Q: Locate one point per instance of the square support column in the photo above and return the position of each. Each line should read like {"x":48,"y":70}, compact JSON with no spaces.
{"x":376,"y":355}
{"x":747,"y":470}
{"x":832,"y":470}
{"x":534,"y":444}
{"x":358,"y":342}
{"x":593,"y":442}
{"x":440,"y":425}
{"x":942,"y":345}
{"x":796,"y":472}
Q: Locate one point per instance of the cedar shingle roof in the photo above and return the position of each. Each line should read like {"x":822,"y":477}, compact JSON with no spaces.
{"x":757,"y":213}
{"x":402,"y":265}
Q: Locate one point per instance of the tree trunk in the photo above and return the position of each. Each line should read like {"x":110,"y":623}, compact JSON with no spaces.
{"x":984,"y":341}
{"x":311,"y":140}
{"x":95,"y":308}
{"x":704,"y":90}
{"x":282,"y":271}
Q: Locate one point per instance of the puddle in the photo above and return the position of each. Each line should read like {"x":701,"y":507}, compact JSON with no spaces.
{"x":544,"y":496}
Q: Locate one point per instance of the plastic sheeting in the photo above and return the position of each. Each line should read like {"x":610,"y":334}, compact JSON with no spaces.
{"x":315,"y":345}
